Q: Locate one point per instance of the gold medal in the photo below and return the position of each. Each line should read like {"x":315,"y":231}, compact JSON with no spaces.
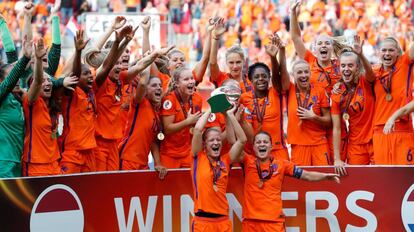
{"x":261,"y":184}
{"x":160,"y":136}
{"x":345,"y":116}
{"x":117,"y":98}
{"x":388,"y":97}
{"x":191,"y":130}
{"x":215,"y":188}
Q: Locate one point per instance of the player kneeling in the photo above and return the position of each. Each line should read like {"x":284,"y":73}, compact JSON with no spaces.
{"x":262,"y":209}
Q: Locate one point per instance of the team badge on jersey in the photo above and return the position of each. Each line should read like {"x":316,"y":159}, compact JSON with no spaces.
{"x":212,"y":117}
{"x":167,"y":105}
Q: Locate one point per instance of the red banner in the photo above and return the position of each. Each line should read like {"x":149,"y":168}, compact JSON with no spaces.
{"x":368,"y":199}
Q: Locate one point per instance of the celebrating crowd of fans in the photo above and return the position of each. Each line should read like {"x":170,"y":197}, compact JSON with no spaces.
{"x":341,"y":109}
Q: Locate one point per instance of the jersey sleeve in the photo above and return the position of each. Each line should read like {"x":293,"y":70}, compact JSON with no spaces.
{"x":168,"y":106}
{"x":290,"y":169}
{"x":309,"y":57}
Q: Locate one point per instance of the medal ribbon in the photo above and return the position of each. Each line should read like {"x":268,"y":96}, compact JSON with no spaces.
{"x":158,"y":124}
{"x":349,"y":98}
{"x":180,"y":100}
{"x":118,"y":91}
{"x":260,"y":112}
{"x":386,"y":81}
{"x":91,"y":100}
{"x":299,"y":100}
{"x":326,"y":74}
{"x":260,"y":173}
{"x":219,"y":165}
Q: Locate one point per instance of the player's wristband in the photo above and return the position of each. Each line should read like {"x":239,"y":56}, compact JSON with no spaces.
{"x":297,"y":172}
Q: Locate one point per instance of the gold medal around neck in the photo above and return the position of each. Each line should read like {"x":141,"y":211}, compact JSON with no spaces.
{"x":345,"y":116}
{"x":160,"y":136}
{"x":215,"y":188}
{"x":191,"y":130}
{"x":388,"y":97}
{"x":261,"y":184}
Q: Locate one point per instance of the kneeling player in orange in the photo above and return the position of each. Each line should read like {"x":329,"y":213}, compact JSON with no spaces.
{"x":210,"y":172}
{"x":181,"y":109}
{"x":354,"y":103}
{"x":41,"y":151}
{"x":308,"y":118}
{"x":264,"y":174}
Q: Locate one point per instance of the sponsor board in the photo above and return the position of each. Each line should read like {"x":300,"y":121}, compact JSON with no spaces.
{"x":368,"y":199}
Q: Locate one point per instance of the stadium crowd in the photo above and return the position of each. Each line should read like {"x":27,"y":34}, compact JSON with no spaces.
{"x":342,"y":76}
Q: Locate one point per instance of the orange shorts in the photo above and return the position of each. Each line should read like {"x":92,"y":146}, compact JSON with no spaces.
{"x":77,"y":161}
{"x":203,"y":224}
{"x":131,"y":165}
{"x":360,"y":154}
{"x":281,"y":154}
{"x":262,"y":226}
{"x":170,"y":162}
{"x":106,"y":154}
{"x":310,"y":155}
{"x":395,"y":148}
{"x":34,"y":169}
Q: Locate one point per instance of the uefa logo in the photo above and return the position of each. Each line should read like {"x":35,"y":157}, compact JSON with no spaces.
{"x":57,"y":208}
{"x":407,"y":210}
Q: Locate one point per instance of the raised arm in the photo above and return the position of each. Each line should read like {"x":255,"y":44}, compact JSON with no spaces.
{"x":27,"y":20}
{"x":295,"y":33}
{"x":201,"y":66}
{"x":197,"y":142}
{"x":336,"y":131}
{"x":284,"y":74}
{"x":13,"y":77}
{"x":111,"y":58}
{"x":142,"y":86}
{"x":146,"y":26}
{"x":35,"y":88}
{"x":53,"y":56}
{"x":7,"y":40}
{"x":272,"y":49}
{"x":357,"y":48}
{"x":236,"y":150}
{"x":116,"y":24}
{"x":216,"y":34}
{"x":146,"y":61}
{"x":80,"y":44}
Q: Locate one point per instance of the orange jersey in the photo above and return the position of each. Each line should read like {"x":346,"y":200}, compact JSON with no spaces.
{"x":322,"y":77}
{"x":306,"y":132}
{"x":79,"y":115}
{"x":206,"y":199}
{"x":265,"y":203}
{"x":178,"y":145}
{"x":360,"y":110}
{"x":140,"y":132}
{"x":108,"y":122}
{"x":401,"y":91}
{"x":245,"y":84}
{"x":127,"y":94}
{"x":40,"y":141}
{"x":273,"y":119}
